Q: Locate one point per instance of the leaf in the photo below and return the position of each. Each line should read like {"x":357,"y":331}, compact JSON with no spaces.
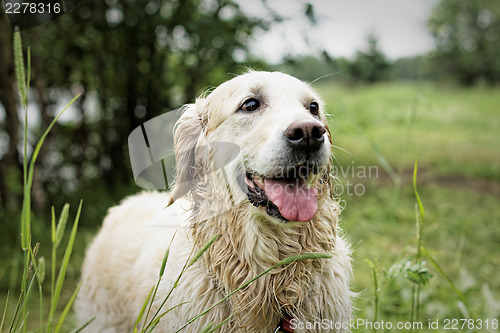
{"x":67,"y":308}
{"x":26,"y":210}
{"x":443,"y":274}
{"x":220,"y":324}
{"x":4,"y":310}
{"x":419,"y":202}
{"x":207,"y":328}
{"x":64,"y":265}
{"x":143,"y":309}
{"x":79,"y":329}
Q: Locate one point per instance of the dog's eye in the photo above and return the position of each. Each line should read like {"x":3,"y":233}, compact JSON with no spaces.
{"x":314,"y":108}
{"x":250,"y":104}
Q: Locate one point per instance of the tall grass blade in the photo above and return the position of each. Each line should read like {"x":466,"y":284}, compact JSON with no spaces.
{"x":30,"y":263}
{"x":160,"y":275}
{"x":384,"y":164}
{"x":25,"y":155}
{"x":419,"y":202}
{"x":373,"y":268}
{"x":40,"y":275}
{"x":16,"y":312}
{"x":443,"y":274}
{"x":143,"y":310}
{"x":64,"y":266}
{"x":26,"y":217}
{"x":154,"y":323}
{"x":79,"y":329}
{"x":36,"y":151}
{"x":23,"y":323}
{"x":67,"y":308}
{"x":26,"y":210}
{"x":24,"y":305}
{"x":415,"y":305}
{"x":172,"y":308}
{"x":220,"y":324}
{"x":54,"y":253}
{"x":199,"y":253}
{"x":5,"y":310}
{"x":207,"y":328}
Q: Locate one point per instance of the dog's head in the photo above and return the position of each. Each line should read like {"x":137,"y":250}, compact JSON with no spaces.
{"x":268,"y":131}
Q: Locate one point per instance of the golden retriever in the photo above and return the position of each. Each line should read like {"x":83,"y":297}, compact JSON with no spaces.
{"x":253,"y":166}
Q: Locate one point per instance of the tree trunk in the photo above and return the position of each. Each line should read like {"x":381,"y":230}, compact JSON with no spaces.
{"x":10,"y":168}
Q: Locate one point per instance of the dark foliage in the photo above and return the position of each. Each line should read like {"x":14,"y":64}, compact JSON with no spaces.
{"x":467,"y":35}
{"x":130,"y":61}
{"x":370,"y":65}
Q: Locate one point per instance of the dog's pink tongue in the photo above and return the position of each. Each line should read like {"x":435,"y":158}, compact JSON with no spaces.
{"x":294,"y":200}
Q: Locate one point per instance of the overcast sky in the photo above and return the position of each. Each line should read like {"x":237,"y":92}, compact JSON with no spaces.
{"x":343,"y":26}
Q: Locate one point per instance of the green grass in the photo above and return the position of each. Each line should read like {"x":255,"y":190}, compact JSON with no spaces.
{"x":453,"y":132}
{"x":34,"y":265}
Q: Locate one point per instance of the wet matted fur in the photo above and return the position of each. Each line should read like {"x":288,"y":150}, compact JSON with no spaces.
{"x":252,"y":112}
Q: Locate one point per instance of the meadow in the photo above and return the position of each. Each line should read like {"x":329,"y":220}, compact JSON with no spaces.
{"x":453,"y":134}
{"x":379,"y":131}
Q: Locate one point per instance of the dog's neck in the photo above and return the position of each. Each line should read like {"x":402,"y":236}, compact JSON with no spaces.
{"x":248,"y":244}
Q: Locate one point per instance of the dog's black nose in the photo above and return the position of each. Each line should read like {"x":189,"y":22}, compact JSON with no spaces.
{"x":305,"y":134}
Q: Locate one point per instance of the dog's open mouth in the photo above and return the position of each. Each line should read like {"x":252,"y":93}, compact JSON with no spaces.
{"x":289,"y":198}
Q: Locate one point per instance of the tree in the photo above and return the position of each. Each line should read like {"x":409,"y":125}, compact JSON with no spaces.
{"x":370,"y":65}
{"x":131,"y":61}
{"x":10,"y":168}
{"x":467,"y":35}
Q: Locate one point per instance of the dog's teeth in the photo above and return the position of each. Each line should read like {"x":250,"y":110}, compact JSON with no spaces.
{"x":259,"y":181}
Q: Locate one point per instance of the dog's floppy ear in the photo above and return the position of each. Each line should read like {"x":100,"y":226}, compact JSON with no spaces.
{"x":187,"y":133}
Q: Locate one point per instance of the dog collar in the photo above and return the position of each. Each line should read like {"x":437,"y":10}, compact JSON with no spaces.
{"x":285,"y":325}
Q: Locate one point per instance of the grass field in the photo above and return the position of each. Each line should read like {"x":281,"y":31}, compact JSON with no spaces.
{"x":380,"y":131}
{"x":454,"y":135}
